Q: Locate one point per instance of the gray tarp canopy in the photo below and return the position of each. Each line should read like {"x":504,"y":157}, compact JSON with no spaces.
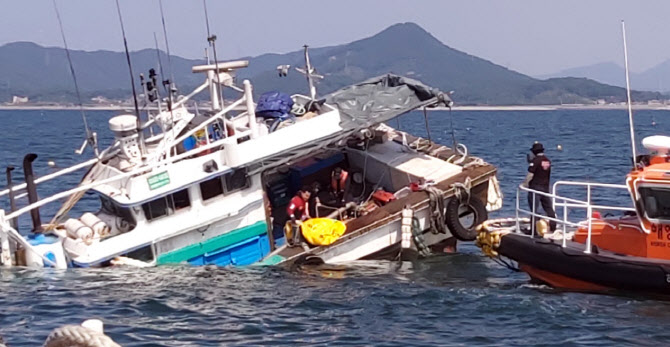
{"x":383,"y":98}
{"x":363,"y":105}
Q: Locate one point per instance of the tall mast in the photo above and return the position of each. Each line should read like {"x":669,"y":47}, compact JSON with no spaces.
{"x":630,"y":106}
{"x":211,"y":39}
{"x":308,"y":67}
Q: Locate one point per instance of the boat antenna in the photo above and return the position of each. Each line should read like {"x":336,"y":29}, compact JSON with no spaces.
{"x":152,"y":76}
{"x":630,"y":107}
{"x":158,"y":56}
{"x":132,"y":80}
{"x":168,"y":84}
{"x":212,"y":42}
{"x":91,"y":138}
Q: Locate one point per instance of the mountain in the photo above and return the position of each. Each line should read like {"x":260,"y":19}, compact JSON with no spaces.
{"x":655,"y":79}
{"x":405,"y":49}
{"x":43,"y":73}
{"x":607,"y":73}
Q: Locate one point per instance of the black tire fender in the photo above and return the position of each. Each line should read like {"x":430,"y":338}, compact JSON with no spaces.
{"x":453,"y":222}
{"x":308,"y":260}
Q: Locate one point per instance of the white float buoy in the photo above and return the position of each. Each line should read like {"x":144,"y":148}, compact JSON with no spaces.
{"x":51,"y":163}
{"x":94,"y":324}
{"x":559,"y":147}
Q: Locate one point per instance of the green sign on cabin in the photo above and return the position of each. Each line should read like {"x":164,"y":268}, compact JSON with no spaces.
{"x":158,"y":180}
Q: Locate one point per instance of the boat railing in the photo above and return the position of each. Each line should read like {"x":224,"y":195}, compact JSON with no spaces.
{"x":566,"y":203}
{"x":246,"y":98}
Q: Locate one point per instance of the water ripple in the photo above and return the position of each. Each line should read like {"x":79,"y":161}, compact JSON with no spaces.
{"x":460,"y":300}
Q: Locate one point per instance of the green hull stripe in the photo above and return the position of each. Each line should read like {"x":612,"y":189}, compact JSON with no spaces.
{"x":218,"y":242}
{"x":273,"y":260}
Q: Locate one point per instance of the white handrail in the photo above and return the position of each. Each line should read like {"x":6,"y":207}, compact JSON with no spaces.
{"x":204,"y":124}
{"x":189,"y":96}
{"x":565,"y":203}
{"x":592,"y":184}
{"x":52,"y":175}
{"x":137,"y":171}
{"x":601,"y":207}
{"x":550,"y":195}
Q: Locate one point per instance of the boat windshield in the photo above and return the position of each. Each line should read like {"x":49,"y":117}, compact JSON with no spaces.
{"x":656,"y":202}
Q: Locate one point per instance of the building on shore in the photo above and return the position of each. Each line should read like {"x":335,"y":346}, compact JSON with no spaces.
{"x":19,"y":100}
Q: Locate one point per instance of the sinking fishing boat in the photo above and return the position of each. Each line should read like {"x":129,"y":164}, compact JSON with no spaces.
{"x":212,"y":188}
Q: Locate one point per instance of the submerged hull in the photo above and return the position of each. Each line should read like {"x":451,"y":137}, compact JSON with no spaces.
{"x":570,"y":268}
{"x":243,"y":246}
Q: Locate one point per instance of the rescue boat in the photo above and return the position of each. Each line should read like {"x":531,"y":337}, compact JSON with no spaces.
{"x":625,"y":252}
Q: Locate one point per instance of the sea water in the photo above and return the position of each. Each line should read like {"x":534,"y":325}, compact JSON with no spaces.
{"x":460,"y":299}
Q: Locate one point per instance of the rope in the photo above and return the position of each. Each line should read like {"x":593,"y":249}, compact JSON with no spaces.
{"x":419,"y":240}
{"x":492,"y":231}
{"x":437,"y":210}
{"x":365,"y":168}
{"x":475,"y":162}
{"x":420,"y":145}
{"x":462,"y":190}
{"x":59,"y":217}
{"x":78,"y":336}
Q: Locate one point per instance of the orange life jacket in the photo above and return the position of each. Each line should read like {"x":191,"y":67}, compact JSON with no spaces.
{"x":342,"y":181}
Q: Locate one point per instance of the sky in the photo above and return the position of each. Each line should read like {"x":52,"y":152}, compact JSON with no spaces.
{"x":534,"y":37}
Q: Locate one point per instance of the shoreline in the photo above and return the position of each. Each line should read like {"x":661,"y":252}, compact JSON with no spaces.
{"x":455,"y":108}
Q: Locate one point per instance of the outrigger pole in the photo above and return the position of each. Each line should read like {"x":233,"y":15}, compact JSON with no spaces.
{"x":140,"y":132}
{"x":91,"y":138}
{"x":630,"y":107}
{"x":168,"y":84}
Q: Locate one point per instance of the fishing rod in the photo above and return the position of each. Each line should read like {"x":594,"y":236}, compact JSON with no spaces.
{"x":132,"y":81}
{"x":211,"y":39}
{"x":91,"y":137}
{"x":630,"y":107}
{"x":158,"y":57}
{"x":168,"y":84}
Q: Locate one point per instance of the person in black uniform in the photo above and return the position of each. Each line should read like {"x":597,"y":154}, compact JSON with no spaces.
{"x":538,"y":178}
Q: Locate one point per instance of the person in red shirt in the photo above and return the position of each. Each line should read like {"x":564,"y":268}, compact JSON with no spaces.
{"x":297,"y":212}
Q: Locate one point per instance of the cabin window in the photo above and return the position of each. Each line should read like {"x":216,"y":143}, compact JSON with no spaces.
{"x":236,"y":180}
{"x":166,"y":205}
{"x":181,"y":199}
{"x":656,"y":202}
{"x":126,"y":221}
{"x":211,"y":188}
{"x":228,"y":183}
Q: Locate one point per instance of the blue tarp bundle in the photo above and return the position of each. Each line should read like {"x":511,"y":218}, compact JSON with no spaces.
{"x":274,"y":105}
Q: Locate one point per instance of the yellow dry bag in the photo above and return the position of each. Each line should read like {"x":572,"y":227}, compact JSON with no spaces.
{"x":322,"y":231}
